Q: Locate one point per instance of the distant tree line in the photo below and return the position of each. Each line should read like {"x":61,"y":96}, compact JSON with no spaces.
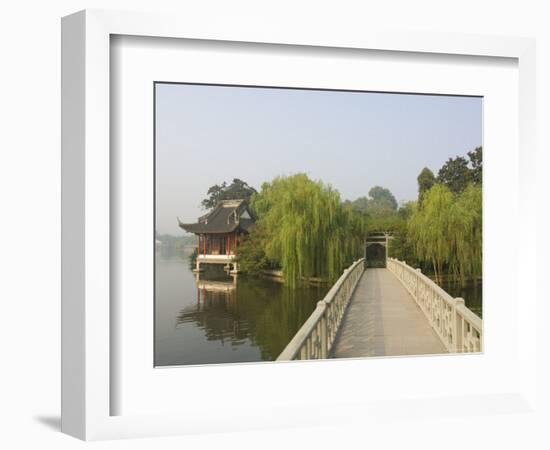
{"x":442,"y":230}
{"x":379,"y":203}
{"x":306,"y":230}
{"x":174,"y":245}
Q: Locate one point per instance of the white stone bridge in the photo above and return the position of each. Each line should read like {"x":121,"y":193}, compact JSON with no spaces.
{"x":386,"y":311}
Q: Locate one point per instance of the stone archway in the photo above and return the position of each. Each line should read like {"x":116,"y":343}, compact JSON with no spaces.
{"x":375,"y":255}
{"x":376,"y":248}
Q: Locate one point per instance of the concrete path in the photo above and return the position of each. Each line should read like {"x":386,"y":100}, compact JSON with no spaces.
{"x":384,"y":320}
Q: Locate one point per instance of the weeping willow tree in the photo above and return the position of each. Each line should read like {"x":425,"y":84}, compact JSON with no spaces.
{"x":466,"y":233}
{"x":428,"y":227}
{"x":446,"y":231}
{"x":306,"y":230}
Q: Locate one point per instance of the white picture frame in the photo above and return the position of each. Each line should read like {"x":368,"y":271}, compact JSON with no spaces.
{"x":86,"y":247}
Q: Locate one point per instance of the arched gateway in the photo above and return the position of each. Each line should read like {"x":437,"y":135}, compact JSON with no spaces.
{"x":376,"y":249}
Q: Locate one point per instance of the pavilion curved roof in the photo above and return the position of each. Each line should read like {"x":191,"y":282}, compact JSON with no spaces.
{"x":225,"y":217}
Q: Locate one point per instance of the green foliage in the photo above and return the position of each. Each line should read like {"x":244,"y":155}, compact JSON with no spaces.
{"x":382,"y":202}
{"x":237,"y":190}
{"x":466,"y":234}
{"x":359,"y":205}
{"x":425,"y":179}
{"x":455,"y":174}
{"x":389,"y":223}
{"x":401,"y":247}
{"x":251,"y":255}
{"x":476,"y":161}
{"x":446,"y":231}
{"x":428,"y":227}
{"x":406,"y":210}
{"x":306,"y":228}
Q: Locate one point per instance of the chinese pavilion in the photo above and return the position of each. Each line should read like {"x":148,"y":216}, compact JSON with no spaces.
{"x":220,"y":232}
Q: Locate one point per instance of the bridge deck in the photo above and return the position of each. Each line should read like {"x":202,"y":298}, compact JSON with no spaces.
{"x":384,"y":320}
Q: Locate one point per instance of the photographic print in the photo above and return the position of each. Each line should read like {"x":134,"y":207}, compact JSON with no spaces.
{"x":296,"y":224}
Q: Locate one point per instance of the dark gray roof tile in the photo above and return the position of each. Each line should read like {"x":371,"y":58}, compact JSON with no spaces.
{"x":224,"y":218}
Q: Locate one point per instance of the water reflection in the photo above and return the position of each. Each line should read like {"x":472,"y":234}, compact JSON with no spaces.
{"x":213,"y":312}
{"x":471,"y":292}
{"x":219,"y":317}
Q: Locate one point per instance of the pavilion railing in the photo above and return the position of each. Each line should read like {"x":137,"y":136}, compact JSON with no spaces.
{"x":315,"y":338}
{"x":458,"y":327}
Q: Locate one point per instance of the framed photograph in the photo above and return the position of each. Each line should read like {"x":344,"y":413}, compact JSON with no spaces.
{"x":253,"y":218}
{"x":276,"y":244}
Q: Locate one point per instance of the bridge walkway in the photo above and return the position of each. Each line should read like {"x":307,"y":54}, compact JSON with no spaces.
{"x":383,"y":319}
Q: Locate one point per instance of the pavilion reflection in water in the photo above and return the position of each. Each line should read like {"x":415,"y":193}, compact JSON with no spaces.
{"x":212,"y":285}
{"x":244,"y":313}
{"x":216,"y":309}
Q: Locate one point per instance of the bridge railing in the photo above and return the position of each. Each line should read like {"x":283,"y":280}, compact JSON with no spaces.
{"x":458,"y":327}
{"x":315,"y":338}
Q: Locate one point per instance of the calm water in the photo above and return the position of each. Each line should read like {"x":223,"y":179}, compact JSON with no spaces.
{"x":219,"y":318}
{"x":471,"y":293}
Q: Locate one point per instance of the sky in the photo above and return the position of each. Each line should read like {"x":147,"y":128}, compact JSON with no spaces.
{"x":351,"y":140}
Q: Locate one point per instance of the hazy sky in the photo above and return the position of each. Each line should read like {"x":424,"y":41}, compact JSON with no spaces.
{"x":351,"y":140}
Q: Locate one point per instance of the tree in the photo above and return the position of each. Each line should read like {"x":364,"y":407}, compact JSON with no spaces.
{"x":425,"y":179}
{"x":446,"y":231}
{"x":237,"y":190}
{"x":465,"y":230}
{"x":251,"y":256}
{"x":359,"y":205}
{"x":428,"y":228}
{"x":455,"y":174}
{"x":306,"y":229}
{"x":476,"y":161}
{"x":400,"y":246}
{"x":381,"y":203}
{"x":406,"y":210}
{"x":383,"y":196}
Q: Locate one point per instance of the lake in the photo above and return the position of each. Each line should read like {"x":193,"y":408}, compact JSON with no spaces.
{"x":471,"y":293}
{"x":213,"y":317}
{"x":220,"y":318}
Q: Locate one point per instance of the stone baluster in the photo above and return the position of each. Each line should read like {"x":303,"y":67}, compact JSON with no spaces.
{"x":418,"y":272}
{"x":324,"y":330}
{"x":458,"y":326}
